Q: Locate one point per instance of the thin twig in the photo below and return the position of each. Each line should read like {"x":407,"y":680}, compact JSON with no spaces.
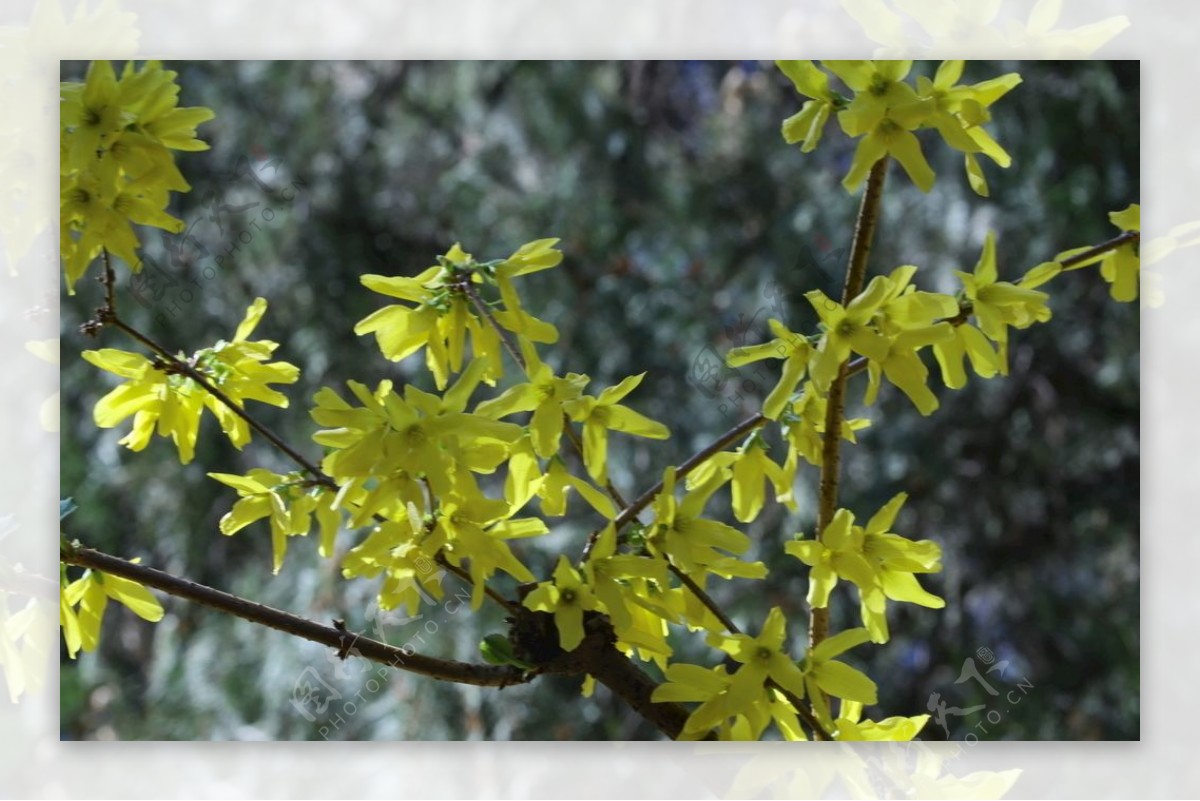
{"x":859,"y":364}
{"x":1112,"y":244}
{"x":577,"y":446}
{"x":465,"y":576}
{"x":704,"y":598}
{"x":646,"y":498}
{"x":472,"y":293}
{"x":627,"y":514}
{"x":819,"y":732}
{"x":186,"y":368}
{"x":469,"y":290}
{"x":110,"y":282}
{"x":109,"y":316}
{"x":568,"y":429}
{"x":344,"y":641}
{"x":630,"y":511}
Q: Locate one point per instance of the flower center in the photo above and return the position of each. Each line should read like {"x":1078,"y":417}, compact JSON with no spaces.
{"x":568,"y":597}
{"x":888,"y":126}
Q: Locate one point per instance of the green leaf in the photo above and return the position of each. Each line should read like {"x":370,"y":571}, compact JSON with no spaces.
{"x":497,"y":650}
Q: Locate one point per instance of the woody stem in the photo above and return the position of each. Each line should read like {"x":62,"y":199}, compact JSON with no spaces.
{"x":827,"y":493}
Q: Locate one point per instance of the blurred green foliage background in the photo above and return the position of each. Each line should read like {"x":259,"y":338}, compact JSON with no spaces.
{"x":686,"y":223}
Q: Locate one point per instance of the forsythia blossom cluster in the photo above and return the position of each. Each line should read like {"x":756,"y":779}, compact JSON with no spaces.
{"x":172,"y":403}
{"x":885,"y":112}
{"x":415,"y":475}
{"x":116,"y":167}
{"x":82,"y":603}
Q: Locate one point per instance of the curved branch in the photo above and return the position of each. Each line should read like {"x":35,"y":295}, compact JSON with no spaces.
{"x":597,"y":656}
{"x":344,"y":641}
{"x":631,"y":684}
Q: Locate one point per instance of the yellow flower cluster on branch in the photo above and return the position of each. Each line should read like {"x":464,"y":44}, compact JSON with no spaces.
{"x":171,"y":402}
{"x":885,"y":111}
{"x":116,"y":167}
{"x":423,"y":483}
{"x":446,"y":314}
{"x":82,"y":603}
{"x":879,"y":563}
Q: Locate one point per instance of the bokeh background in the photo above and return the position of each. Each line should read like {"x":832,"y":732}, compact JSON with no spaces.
{"x":686,"y":222}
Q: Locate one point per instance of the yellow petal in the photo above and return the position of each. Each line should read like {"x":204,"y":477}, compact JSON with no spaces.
{"x":133,"y":595}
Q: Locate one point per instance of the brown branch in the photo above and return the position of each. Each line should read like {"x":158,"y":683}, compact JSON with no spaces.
{"x":860,"y":251}
{"x":109,"y":279}
{"x":344,"y":641}
{"x":644,"y":500}
{"x":801,"y":710}
{"x":108,"y":316}
{"x":636,"y":691}
{"x":598,"y":657}
{"x":609,"y":666}
{"x":704,"y":598}
{"x":183,"y":367}
{"x":629,"y":683}
{"x":465,"y":285}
